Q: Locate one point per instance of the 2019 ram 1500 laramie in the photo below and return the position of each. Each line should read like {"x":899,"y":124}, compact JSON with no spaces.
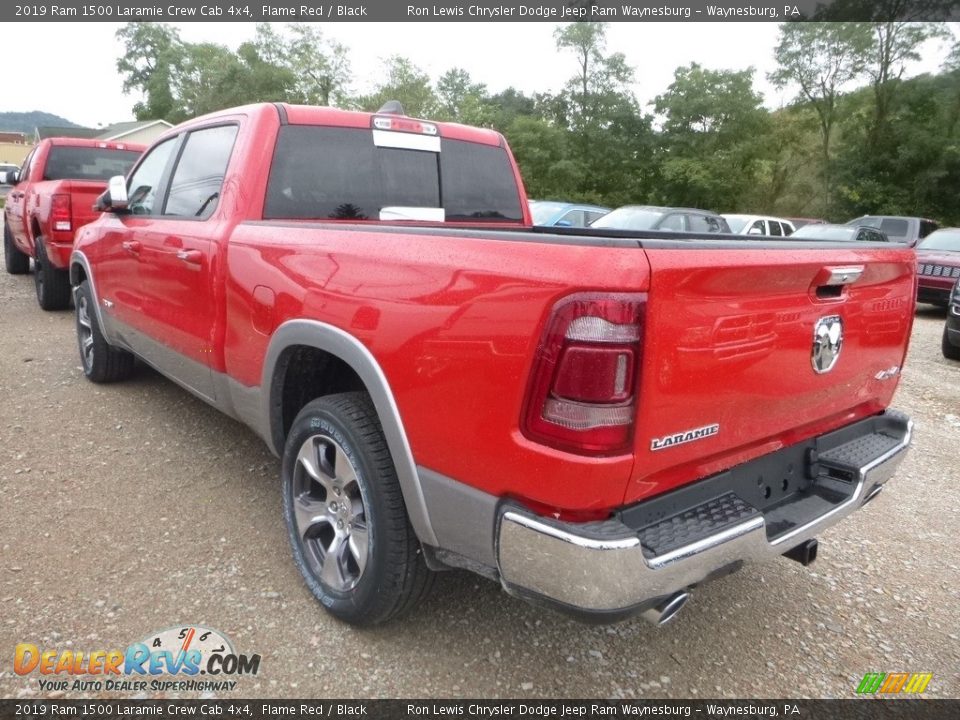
{"x":598,"y":419}
{"x":52,"y":196}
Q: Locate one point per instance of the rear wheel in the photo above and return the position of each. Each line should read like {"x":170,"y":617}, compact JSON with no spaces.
{"x":102,"y":362}
{"x":950,"y":350}
{"x":352,"y":540}
{"x":52,"y":284}
{"x":15,"y":261}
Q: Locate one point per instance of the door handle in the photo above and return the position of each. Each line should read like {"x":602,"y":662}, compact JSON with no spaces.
{"x":190,"y":257}
{"x":131,"y":246}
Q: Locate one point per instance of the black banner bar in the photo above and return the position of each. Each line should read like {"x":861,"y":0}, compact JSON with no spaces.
{"x":101,"y":709}
{"x":477,"y":10}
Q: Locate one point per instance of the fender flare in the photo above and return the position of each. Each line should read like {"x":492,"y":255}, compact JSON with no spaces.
{"x":333,"y":340}
{"x":79,"y":261}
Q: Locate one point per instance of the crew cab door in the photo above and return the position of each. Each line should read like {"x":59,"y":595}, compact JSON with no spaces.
{"x":169,"y":303}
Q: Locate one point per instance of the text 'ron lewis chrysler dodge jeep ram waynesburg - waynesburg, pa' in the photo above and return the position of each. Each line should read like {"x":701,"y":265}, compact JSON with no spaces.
{"x":598,"y":419}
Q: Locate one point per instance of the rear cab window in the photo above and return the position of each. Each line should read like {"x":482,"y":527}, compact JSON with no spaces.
{"x":87,"y":163}
{"x":332,"y":173}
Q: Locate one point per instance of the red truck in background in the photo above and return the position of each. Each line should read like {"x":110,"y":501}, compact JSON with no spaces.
{"x":599,"y":420}
{"x":52,"y":196}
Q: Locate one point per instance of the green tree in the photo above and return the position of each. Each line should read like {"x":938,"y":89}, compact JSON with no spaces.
{"x":207,"y":80}
{"x":609,"y":138}
{"x":542,"y":151}
{"x":714,"y":126}
{"x":893,"y":46}
{"x":461,"y":100}
{"x":319,"y":66}
{"x":602,"y":81}
{"x":821,"y":58}
{"x":406,"y":83}
{"x":153,"y":53}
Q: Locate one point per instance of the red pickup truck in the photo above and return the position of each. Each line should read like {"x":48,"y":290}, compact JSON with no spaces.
{"x":600,"y":420}
{"x":52,"y":196}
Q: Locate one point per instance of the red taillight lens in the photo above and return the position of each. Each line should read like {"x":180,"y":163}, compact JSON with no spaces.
{"x":582,"y":395}
{"x":60,"y":212}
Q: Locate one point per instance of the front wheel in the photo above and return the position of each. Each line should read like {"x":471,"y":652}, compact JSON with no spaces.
{"x":102,"y":362}
{"x":15,"y":261}
{"x":348,"y":525}
{"x":52,"y":283}
{"x":950,"y":351}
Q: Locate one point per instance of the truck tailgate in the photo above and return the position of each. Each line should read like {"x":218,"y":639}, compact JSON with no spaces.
{"x":729,"y":368}
{"x":83,"y":193}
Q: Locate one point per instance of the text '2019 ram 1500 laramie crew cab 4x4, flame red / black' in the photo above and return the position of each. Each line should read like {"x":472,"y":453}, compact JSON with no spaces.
{"x":599,"y":420}
{"x":52,"y":196}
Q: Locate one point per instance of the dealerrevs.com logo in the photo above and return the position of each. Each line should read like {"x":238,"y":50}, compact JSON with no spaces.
{"x":184,"y":653}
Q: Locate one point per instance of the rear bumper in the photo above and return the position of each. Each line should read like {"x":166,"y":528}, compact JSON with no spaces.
{"x":612,"y":569}
{"x":934,"y":290}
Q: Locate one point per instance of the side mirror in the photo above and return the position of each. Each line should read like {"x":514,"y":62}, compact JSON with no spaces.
{"x":563,"y":223}
{"x":10,"y":177}
{"x":114,"y":198}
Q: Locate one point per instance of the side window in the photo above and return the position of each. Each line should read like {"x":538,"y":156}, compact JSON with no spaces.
{"x":895,"y":227}
{"x":673,"y":222}
{"x":145,"y":182}
{"x":704,"y":224}
{"x":757,"y":228}
{"x":788,"y":229}
{"x":198,"y":178}
{"x":927,"y":227}
{"x":593,"y":215}
{"x":574,"y":218}
{"x":775,"y":228}
{"x":24,"y":173}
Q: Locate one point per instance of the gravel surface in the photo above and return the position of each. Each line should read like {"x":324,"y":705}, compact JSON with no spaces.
{"x":135,"y":507}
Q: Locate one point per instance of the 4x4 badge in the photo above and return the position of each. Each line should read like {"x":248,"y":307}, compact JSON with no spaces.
{"x":827,"y":343}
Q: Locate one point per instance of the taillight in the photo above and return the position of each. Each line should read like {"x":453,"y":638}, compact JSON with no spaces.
{"x":583,"y":390}
{"x":60,"y":212}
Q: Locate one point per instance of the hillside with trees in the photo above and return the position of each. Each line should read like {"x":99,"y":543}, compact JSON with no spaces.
{"x":26,"y":122}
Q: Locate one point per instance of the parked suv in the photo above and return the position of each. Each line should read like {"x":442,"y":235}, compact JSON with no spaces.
{"x":648,"y":217}
{"x":909,"y":230}
{"x":938,"y":266}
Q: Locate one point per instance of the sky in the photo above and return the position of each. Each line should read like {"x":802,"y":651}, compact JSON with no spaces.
{"x":79,"y":80}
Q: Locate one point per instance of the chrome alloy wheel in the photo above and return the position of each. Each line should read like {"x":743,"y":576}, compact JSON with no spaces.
{"x":330,"y":515}
{"x":84,"y":330}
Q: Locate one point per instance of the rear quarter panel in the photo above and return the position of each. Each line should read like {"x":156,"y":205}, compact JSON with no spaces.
{"x":454,"y":324}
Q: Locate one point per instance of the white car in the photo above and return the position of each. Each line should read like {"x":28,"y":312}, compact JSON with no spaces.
{"x":759,"y":225}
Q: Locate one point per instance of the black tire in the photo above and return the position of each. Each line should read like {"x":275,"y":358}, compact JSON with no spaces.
{"x":102,"y":362}
{"x":950,"y":351}
{"x":16,"y":262}
{"x":341,"y":436}
{"x":52,"y":284}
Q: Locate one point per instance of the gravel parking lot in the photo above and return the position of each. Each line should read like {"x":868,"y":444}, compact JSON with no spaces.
{"x":135,"y":507}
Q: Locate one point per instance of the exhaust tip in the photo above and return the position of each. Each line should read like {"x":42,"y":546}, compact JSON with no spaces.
{"x":872,"y":494}
{"x":665,"y":612}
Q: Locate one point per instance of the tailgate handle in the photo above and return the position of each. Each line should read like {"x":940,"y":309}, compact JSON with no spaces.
{"x":829,"y":283}
{"x":845,"y":275}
